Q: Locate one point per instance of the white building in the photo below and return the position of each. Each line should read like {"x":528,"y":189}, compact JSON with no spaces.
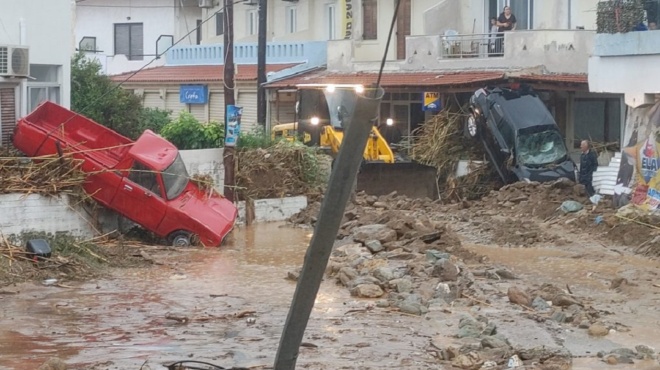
{"x":36,"y":44}
{"x":125,"y":35}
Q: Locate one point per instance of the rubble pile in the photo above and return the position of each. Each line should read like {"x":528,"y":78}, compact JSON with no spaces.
{"x":49,"y":175}
{"x":283,"y":169}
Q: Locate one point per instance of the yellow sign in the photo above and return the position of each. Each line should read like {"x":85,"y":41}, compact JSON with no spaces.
{"x":347,"y":19}
{"x":431,"y":100}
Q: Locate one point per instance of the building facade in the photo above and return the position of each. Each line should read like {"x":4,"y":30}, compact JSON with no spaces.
{"x":35,"y":57}
{"x":126,"y":35}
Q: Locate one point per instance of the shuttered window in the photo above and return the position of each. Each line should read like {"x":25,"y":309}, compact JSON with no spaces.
{"x":370,"y":19}
{"x":219,"y":23}
{"x":129,"y":40}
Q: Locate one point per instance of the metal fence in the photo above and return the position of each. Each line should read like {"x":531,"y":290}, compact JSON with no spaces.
{"x":472,"y":46}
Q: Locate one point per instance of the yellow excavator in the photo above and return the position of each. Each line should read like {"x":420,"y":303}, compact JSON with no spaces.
{"x":321,"y":119}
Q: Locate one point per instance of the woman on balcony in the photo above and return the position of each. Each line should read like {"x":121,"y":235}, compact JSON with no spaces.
{"x":505,"y":22}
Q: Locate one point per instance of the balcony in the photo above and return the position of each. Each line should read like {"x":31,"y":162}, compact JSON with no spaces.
{"x":246,"y":53}
{"x":556,"y":51}
{"x":626,"y":63}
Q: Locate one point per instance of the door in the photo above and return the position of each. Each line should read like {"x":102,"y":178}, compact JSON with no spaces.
{"x":522,"y":9}
{"x":401,"y":115}
{"x":140,"y":197}
{"x":402,"y":28}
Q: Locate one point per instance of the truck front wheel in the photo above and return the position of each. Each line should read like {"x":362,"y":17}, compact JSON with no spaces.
{"x":180,"y":239}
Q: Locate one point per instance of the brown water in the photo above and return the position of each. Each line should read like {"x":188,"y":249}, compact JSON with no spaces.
{"x":120,"y":322}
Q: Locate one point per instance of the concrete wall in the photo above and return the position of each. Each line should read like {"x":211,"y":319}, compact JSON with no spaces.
{"x":555,"y":51}
{"x":622,"y":63}
{"x":96,"y":18}
{"x":48,"y":33}
{"x":21,"y":213}
{"x":207,"y":162}
{"x":272,"y":210}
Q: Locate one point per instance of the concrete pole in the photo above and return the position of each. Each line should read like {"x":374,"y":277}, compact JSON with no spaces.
{"x":261,"y":63}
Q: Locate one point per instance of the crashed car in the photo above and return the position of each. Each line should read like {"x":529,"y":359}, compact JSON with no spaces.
{"x":519,"y":135}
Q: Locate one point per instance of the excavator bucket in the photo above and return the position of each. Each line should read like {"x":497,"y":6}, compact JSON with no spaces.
{"x":406,"y":178}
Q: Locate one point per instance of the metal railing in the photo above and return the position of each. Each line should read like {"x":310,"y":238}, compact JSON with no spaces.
{"x":472,"y":46}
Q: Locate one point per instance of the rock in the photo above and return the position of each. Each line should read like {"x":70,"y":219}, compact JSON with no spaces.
{"x":584,"y":324}
{"x":493,"y":342}
{"x":411,"y":308}
{"x":348,"y":250}
{"x":360,"y":280}
{"x":598,"y":330}
{"x":468,"y":328}
{"x":445,"y":270}
{"x":433,"y":255}
{"x":381,"y":233}
{"x":564,"y":300}
{"x":540,"y":304}
{"x":368,"y":291}
{"x":559,"y":317}
{"x":506,"y":274}
{"x":383,"y":274}
{"x":374,"y":246}
{"x":645,"y":352}
{"x":53,"y":364}
{"x":351,"y":214}
{"x":402,"y":285}
{"x":293,"y":275}
{"x":518,"y":296}
{"x":556,"y":363}
{"x":382,"y":303}
{"x":611,"y":360}
{"x":347,"y":275}
{"x":401,"y":256}
{"x":469,"y":360}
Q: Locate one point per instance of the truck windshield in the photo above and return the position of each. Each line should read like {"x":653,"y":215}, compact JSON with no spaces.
{"x":540,"y":148}
{"x":175,"y":178}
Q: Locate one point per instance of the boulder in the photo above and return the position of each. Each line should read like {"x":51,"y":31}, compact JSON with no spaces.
{"x":367,"y":291}
{"x":381,"y":233}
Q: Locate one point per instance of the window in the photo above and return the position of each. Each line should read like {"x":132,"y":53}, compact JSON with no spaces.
{"x":219,"y":23}
{"x":331,"y":21}
{"x":369,"y":20}
{"x":291,"y":19}
{"x":129,"y":40}
{"x":45,"y":86}
{"x":597,"y":120}
{"x":252,"y":22}
{"x":522,"y":9}
{"x":145,"y":177}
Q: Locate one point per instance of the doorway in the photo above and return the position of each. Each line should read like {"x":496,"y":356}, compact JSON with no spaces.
{"x":522,"y":9}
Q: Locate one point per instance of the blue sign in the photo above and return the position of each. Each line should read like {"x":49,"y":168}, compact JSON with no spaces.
{"x":233,"y":125}
{"x":431,"y":101}
{"x":194,"y":94}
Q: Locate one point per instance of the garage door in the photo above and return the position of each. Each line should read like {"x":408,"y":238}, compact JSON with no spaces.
{"x":152,"y":99}
{"x":172,"y":103}
{"x":217,"y":107}
{"x":248,"y":100}
{"x":199,"y":111}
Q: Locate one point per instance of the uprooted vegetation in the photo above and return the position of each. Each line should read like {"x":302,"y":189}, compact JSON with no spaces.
{"x":440,"y":143}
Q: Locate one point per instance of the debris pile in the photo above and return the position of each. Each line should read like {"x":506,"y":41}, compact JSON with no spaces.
{"x":440,"y":143}
{"x":285,"y":169}
{"x":48,"y":175}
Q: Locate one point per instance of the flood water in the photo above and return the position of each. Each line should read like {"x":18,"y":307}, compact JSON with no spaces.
{"x":122,"y":322}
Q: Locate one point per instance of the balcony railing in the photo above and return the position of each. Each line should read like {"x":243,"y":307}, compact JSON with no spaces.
{"x":472,"y":46}
{"x":246,"y":53}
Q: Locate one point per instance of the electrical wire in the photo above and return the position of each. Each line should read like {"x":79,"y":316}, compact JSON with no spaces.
{"x":387,"y":44}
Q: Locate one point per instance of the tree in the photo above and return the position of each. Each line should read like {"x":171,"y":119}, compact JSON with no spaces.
{"x":97,"y":97}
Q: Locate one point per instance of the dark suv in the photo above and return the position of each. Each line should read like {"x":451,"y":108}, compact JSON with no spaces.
{"x":519,"y":135}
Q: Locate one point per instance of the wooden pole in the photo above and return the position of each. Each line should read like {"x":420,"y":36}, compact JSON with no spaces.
{"x":229,"y":158}
{"x":261,"y":63}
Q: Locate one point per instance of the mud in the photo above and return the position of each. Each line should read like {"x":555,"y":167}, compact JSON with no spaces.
{"x":449,"y":291}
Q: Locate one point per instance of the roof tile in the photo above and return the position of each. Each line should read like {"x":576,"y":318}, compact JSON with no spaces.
{"x":198,"y":73}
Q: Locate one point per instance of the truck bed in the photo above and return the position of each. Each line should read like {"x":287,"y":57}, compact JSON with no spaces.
{"x":37,"y":133}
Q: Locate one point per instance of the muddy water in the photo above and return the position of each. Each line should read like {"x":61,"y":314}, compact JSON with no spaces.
{"x":121,"y":323}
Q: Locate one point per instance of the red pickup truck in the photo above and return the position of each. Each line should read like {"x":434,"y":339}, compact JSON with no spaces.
{"x":145,"y":181}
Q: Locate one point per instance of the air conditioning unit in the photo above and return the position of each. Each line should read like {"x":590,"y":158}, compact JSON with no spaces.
{"x":14,"y":61}
{"x":205,"y":3}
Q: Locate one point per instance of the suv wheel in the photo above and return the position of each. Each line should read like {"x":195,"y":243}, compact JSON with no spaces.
{"x":471,"y":127}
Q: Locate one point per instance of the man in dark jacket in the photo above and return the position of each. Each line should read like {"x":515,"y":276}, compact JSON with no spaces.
{"x":588,"y":165}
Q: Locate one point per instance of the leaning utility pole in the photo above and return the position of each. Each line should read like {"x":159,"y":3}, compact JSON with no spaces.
{"x":261,"y":63}
{"x":228,"y":81}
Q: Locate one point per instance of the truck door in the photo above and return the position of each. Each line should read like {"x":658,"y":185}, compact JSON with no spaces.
{"x":140,"y":197}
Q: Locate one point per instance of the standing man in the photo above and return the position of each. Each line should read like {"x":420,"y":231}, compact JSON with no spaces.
{"x":588,"y":165}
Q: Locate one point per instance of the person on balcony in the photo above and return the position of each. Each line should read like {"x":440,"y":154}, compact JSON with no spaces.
{"x":492,"y":37}
{"x":505,"y":22}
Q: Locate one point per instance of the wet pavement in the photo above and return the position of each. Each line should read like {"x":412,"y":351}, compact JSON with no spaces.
{"x":122,"y":322}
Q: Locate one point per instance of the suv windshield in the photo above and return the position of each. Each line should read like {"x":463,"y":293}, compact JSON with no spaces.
{"x":175,"y":178}
{"x":539,"y":148}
